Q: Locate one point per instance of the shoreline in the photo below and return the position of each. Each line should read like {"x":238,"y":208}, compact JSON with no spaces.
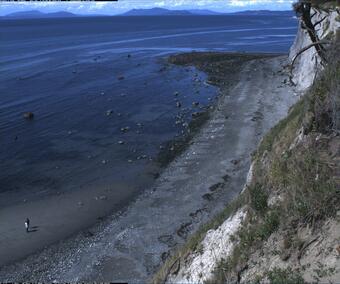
{"x":194,"y":155}
{"x":83,"y":209}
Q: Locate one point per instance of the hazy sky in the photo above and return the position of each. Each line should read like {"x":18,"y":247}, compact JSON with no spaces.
{"x":112,"y":8}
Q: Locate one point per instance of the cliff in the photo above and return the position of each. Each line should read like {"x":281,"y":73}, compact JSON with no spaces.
{"x":308,"y":65}
{"x":284,"y":227}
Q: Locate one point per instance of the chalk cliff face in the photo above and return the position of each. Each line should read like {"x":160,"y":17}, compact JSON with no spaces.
{"x":308,"y":65}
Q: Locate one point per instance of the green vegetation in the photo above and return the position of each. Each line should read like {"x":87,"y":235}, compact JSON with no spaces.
{"x":284,"y":276}
{"x":258,"y":197}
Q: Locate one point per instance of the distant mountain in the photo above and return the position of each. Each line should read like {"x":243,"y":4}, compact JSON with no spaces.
{"x":156,"y":12}
{"x":145,"y":12}
{"x":166,"y":12}
{"x":37,"y":14}
{"x":204,"y":12}
{"x":264,"y":13}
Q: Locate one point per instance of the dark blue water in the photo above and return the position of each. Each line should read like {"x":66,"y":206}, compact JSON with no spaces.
{"x":87,"y":78}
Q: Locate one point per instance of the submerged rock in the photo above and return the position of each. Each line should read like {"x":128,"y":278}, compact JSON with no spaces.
{"x":109,"y":112}
{"x":29,"y":115}
{"x":125,"y":129}
{"x":168,"y":240}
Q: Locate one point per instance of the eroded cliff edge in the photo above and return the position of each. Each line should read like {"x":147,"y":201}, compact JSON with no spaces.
{"x":285,"y":225}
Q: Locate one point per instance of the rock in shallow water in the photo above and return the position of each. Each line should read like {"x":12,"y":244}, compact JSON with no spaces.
{"x":28,"y":115}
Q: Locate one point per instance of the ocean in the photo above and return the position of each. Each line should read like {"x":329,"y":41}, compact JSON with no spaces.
{"x":104,"y":99}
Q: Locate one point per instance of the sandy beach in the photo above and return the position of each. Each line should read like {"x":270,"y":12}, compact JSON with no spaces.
{"x":208,"y":173}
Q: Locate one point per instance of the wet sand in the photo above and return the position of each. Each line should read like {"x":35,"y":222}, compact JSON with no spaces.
{"x":197,"y":184}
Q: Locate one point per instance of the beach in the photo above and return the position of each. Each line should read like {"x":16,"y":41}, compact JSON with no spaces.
{"x":198,"y":181}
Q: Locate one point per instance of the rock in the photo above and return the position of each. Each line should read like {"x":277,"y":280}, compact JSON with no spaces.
{"x":176,"y":94}
{"x":196,"y":114}
{"x":88,"y":234}
{"x":226,"y":177}
{"x":197,"y":212}
{"x":168,"y":240}
{"x":184,"y":230}
{"x":109,"y":112}
{"x":29,"y":115}
{"x":121,"y":142}
{"x":195,"y":103}
{"x":178,"y":104}
{"x":164,"y":256}
{"x":125,"y":129}
{"x":216,"y":186}
{"x":235,"y":162}
{"x":207,"y":196}
{"x":174,"y":269}
{"x":338,"y":249}
{"x":156,"y":175}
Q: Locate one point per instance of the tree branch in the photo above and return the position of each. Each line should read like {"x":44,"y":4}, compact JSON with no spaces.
{"x":318,"y":43}
{"x":319,"y":22}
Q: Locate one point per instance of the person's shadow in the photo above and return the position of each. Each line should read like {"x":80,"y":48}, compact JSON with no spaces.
{"x":33,"y":229}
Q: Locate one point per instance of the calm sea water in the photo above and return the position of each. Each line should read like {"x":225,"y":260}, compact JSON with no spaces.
{"x":87,"y":78}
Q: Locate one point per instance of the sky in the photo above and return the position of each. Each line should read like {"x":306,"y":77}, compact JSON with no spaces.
{"x":121,"y":6}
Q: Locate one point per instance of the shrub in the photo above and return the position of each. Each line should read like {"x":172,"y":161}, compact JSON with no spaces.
{"x":259,"y":198}
{"x":284,"y":276}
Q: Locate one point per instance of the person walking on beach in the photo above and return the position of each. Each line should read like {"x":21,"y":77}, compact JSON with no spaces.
{"x":27,"y":224}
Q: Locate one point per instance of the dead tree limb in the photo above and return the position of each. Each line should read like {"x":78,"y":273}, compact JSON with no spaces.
{"x":299,"y":53}
{"x":320,"y":21}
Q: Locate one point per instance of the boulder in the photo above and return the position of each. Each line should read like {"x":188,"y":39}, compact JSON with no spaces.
{"x":29,"y":115}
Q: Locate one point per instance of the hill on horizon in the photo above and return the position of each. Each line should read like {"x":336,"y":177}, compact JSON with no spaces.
{"x":144,"y":12}
{"x":38,"y":14}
